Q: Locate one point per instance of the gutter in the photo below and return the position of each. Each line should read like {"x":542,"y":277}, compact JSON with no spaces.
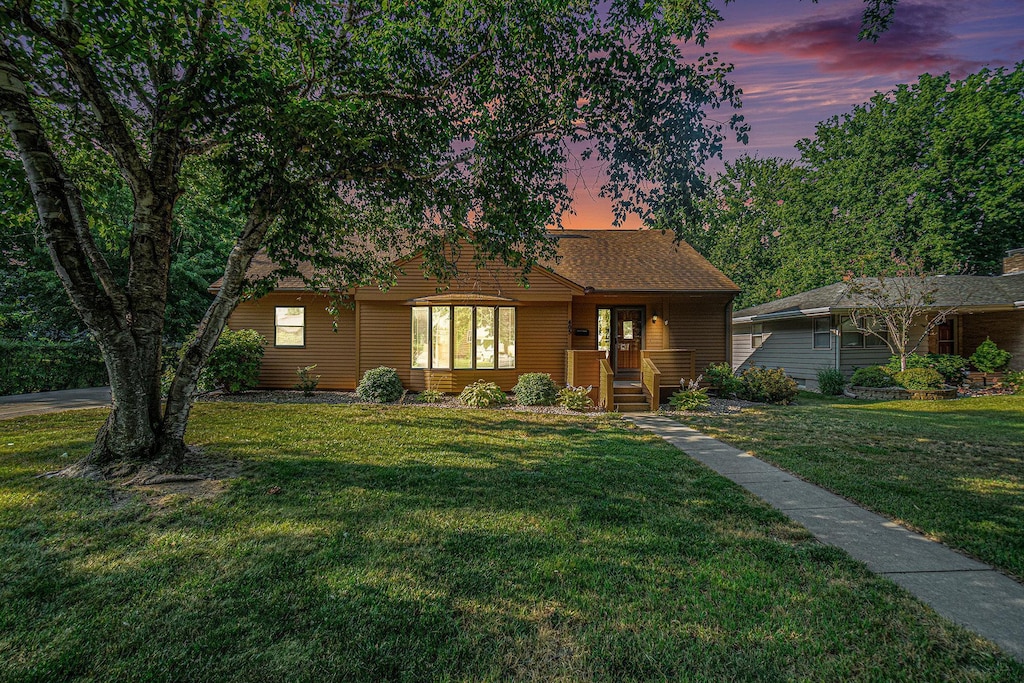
{"x":783,"y":315}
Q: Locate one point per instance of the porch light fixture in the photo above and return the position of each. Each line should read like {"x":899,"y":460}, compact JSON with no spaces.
{"x":654,"y":318}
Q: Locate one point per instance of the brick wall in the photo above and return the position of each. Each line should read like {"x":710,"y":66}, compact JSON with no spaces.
{"x":1014,"y":261}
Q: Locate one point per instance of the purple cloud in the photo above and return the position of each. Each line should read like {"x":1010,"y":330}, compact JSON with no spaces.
{"x":917,"y":42}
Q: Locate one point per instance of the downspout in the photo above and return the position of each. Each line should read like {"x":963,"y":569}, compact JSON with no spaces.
{"x":836,"y":333}
{"x":728,"y":333}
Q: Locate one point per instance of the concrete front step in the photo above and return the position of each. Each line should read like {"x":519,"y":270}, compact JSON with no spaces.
{"x":632,"y":406}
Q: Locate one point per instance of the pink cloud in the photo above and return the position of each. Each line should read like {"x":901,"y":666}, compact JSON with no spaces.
{"x":917,"y":42}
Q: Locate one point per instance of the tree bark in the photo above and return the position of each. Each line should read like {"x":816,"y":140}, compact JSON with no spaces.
{"x":182,"y":392}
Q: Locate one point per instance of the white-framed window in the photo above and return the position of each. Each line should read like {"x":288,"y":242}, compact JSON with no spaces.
{"x":464,"y":337}
{"x":756,"y":335}
{"x":853,"y":338}
{"x":290,"y":326}
{"x":822,"y":334}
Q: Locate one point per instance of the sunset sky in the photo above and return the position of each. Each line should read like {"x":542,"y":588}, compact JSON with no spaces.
{"x":799,"y":63}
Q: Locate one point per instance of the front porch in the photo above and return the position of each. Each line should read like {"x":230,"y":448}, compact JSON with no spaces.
{"x":661,"y":372}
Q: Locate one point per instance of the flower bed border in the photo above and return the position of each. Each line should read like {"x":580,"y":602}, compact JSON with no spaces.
{"x":901,"y":394}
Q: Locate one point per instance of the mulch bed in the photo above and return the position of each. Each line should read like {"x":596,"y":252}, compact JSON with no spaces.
{"x":349,"y":397}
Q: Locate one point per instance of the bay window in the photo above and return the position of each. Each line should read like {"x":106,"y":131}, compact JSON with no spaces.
{"x":463,"y":337}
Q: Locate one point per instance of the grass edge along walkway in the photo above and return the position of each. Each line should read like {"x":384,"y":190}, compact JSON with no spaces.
{"x":963,"y":590}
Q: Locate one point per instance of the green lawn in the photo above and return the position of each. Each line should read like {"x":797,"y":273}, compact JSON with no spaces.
{"x":436,"y":544}
{"x":951,"y":469}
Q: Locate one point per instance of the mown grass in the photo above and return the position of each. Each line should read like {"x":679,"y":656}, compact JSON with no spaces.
{"x":951,"y":469}
{"x":427,"y":544}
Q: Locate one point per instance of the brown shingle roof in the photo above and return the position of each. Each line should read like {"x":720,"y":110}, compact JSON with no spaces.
{"x":601,"y":261}
{"x":635,"y":261}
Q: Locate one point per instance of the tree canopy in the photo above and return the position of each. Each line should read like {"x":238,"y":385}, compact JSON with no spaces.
{"x":334,"y":134}
{"x":931,"y":172}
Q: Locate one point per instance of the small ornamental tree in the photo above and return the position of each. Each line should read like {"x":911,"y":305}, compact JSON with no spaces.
{"x":899,"y":309}
{"x":990,"y":358}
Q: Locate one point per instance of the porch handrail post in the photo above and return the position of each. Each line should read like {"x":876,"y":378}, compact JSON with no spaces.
{"x":606,"y":386}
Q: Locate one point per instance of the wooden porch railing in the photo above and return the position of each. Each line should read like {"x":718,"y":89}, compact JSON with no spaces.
{"x":581,"y":369}
{"x":606,"y":386}
{"x":671,"y":367}
{"x":650,"y":377}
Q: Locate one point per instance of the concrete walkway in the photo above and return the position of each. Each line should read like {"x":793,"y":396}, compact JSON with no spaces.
{"x":53,"y":402}
{"x":959,"y":588}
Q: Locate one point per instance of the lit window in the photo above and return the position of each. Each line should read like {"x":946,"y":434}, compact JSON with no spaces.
{"x":421,"y":337}
{"x":463,"y":337}
{"x":290,"y":326}
{"x":604,"y":329}
{"x":441,"y":337}
{"x":756,"y":335}
{"x":506,"y":338}
{"x":823,"y":333}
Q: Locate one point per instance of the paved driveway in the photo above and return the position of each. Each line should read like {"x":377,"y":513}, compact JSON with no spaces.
{"x":53,"y":401}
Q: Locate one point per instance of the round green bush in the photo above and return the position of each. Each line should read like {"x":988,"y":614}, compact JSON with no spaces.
{"x":235,"y":362}
{"x":482,"y":394}
{"x":952,"y":368}
{"x":535,"y":389}
{"x":874,"y":376}
{"x":723,"y":380}
{"x":380,"y":385}
{"x":920,"y":378}
{"x":767,"y":385}
{"x":990,"y":358}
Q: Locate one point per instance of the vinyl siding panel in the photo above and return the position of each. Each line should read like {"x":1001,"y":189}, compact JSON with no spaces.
{"x":334,"y":353}
{"x":786,"y":344}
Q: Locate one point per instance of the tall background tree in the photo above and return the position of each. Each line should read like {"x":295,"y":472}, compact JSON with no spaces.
{"x":332,"y":134}
{"x":932,"y":172}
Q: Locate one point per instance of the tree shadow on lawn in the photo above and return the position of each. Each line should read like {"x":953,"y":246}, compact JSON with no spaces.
{"x":613,"y":558}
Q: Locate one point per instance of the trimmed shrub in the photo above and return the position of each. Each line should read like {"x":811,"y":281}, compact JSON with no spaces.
{"x":235,"y":362}
{"x":1014,"y":381}
{"x":574,"y":398}
{"x":875,"y":376}
{"x":535,"y":389}
{"x":919,"y":378}
{"x":692,"y":397}
{"x":831,"y":381}
{"x":380,"y":385}
{"x":28,"y":366}
{"x":307,"y":380}
{"x":483,"y":394}
{"x":952,"y":368}
{"x":989,"y":358}
{"x":722,"y":379}
{"x":767,"y":385}
{"x":430,"y":396}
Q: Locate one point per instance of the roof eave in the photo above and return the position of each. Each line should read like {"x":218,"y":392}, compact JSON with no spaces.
{"x":784,"y":315}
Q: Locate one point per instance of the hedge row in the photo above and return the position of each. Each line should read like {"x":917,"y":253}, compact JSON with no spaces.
{"x":42,"y":365}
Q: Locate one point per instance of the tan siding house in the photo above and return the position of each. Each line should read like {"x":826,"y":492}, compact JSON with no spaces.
{"x":609,"y":295}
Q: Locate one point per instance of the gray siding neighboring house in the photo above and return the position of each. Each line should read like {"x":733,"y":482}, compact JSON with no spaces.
{"x":804,"y":333}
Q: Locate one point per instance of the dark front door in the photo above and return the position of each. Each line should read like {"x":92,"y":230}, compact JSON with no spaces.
{"x":628,"y":341}
{"x":945,"y":338}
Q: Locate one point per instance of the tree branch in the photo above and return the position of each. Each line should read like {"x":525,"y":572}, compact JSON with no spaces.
{"x":119,"y":140}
